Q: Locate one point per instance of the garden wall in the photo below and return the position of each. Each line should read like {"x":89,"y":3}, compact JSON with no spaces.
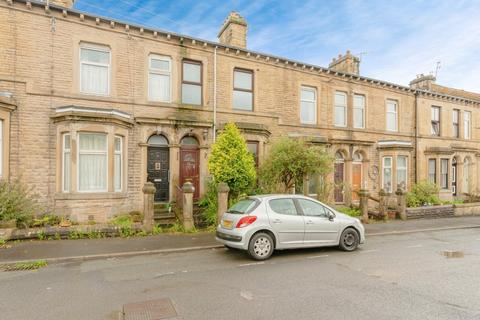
{"x":467,"y":209}
{"x":430,"y":212}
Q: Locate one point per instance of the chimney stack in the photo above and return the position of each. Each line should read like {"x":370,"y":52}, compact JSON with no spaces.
{"x":423,"y":82}
{"x":234,"y":31}
{"x":347,"y":63}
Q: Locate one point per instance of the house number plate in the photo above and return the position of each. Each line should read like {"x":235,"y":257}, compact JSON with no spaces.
{"x":158,"y":180}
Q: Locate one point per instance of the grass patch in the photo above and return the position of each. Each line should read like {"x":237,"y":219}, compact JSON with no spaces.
{"x":22,"y":266}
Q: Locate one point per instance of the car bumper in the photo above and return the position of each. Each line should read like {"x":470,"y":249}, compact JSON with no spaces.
{"x":231,"y":239}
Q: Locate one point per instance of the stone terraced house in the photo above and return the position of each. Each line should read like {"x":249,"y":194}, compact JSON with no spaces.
{"x":91,"y":108}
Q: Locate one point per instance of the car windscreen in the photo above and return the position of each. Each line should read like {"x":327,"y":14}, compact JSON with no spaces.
{"x":243,"y":206}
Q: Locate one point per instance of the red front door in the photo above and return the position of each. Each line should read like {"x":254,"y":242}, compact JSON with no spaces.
{"x":357,"y":180}
{"x":189,"y":167}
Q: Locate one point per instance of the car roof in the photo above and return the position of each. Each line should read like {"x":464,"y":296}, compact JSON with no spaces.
{"x":279,"y":196}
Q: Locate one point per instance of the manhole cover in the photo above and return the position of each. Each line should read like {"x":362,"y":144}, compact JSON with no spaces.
{"x":452,"y":254}
{"x":149,"y":310}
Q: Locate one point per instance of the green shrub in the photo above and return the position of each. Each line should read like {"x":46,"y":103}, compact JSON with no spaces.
{"x":46,"y":220}
{"x":17,"y":202}
{"x":423,"y":194}
{"x":351,"y":211}
{"x":41,"y":235}
{"x":157,"y":229}
{"x":125,"y":223}
{"x":209,"y":204}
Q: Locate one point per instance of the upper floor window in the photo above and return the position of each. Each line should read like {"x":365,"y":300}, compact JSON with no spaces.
{"x":243,"y":89}
{"x":466,"y":124}
{"x":92,"y":162}
{"x":435,"y":121}
{"x":340,"y":109}
{"x":392,"y":115}
{"x":308,"y":105}
{"x":94,"y":69}
{"x":432,"y":170}
{"x":359,"y":111}
{"x":456,"y":123}
{"x":192,"y":82}
{"x":159,"y":78}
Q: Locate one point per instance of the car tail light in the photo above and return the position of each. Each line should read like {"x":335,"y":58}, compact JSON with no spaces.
{"x":246,"y":221}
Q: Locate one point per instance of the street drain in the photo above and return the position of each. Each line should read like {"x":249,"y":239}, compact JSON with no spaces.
{"x":149,"y":310}
{"x":452,"y":254}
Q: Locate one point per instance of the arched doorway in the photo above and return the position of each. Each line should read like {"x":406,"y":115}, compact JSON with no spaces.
{"x":357,"y":175}
{"x":338,"y":176}
{"x":190,"y":163}
{"x":454,"y":176}
{"x":158,"y":166}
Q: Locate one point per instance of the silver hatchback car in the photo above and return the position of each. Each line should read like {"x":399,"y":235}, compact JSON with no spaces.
{"x":262,"y":224}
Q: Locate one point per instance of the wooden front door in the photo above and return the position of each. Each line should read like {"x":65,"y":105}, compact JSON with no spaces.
{"x":356,"y":180}
{"x":190,"y":167}
{"x":158,"y":168}
{"x":338,"y":180}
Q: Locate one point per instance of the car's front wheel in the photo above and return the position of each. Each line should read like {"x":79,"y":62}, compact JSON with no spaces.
{"x":261,"y":246}
{"x":349,"y":239}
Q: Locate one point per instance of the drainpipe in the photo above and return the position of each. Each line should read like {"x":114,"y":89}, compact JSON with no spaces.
{"x":416,"y":137}
{"x":215,"y":93}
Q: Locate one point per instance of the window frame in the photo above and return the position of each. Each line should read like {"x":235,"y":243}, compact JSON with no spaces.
{"x":314,"y":101}
{"x":64,"y":153}
{"x":456,"y":125}
{"x":200,"y":84}
{"x":398,"y":168}
{"x":444,"y":174}
{"x":429,"y":162}
{"x":255,"y":157}
{"x":390,"y":190}
{"x":79,"y":152}
{"x":115,"y":154}
{"x":363,"y":108}
{"x":241,"y":70}
{"x":99,"y":48}
{"x":345,"y":109}
{"x":395,"y":102}
{"x":467,"y":125}
{"x":433,"y":112}
{"x":152,"y":70}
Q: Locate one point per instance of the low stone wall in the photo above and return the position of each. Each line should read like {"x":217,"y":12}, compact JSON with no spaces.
{"x":430,"y":212}
{"x":467,"y":209}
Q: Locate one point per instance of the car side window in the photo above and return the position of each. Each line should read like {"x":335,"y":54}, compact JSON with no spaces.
{"x":312,"y":209}
{"x":283,"y":206}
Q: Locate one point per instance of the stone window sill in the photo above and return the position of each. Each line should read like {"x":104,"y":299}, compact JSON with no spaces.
{"x":90,"y":196}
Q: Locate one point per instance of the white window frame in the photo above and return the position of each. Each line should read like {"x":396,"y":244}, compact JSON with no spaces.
{"x":1,"y":147}
{"x":402,"y":168}
{"x":395,"y":103}
{"x":168,"y":73}
{"x":457,"y":123}
{"x":314,"y":101}
{"x":344,"y":107}
{"x":99,"y":48}
{"x":236,"y":89}
{"x":391,"y":173}
{"x":362,"y":108}
{"x":118,"y":153}
{"x":467,"y":123}
{"x":79,"y":152}
{"x":444,"y":173}
{"x":66,"y":151}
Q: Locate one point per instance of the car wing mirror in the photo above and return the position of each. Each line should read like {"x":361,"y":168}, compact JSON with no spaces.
{"x":331,"y":215}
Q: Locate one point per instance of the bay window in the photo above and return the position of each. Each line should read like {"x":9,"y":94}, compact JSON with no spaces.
{"x":308,"y":105}
{"x":340,"y":109}
{"x":466,"y":124}
{"x":94,"y":69}
{"x":92,"y":162}
{"x":444,"y":173}
{"x":243,"y":89}
{"x":159,"y":78}
{"x":192,"y":82}
{"x":118,"y":162}
{"x":432,"y":170}
{"x":67,"y":162}
{"x":359,"y":111}
{"x":402,"y":172}
{"x":392,"y":115}
{"x":387,"y":174}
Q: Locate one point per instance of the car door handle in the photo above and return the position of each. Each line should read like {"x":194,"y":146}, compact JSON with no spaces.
{"x":277,"y":221}
{"x":309,"y":222}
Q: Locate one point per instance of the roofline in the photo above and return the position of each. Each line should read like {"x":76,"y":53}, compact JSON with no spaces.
{"x":277,"y":59}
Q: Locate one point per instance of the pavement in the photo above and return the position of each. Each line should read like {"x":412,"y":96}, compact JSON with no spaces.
{"x":398,"y":276}
{"x":58,"y":251}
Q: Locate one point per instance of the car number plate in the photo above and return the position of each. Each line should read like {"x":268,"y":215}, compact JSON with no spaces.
{"x":227,"y":224}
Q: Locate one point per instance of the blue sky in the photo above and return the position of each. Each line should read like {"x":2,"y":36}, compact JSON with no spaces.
{"x":399,"y":39}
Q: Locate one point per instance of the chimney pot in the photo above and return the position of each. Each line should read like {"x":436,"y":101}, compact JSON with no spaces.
{"x":234,"y":31}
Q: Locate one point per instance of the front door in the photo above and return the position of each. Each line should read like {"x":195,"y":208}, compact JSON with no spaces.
{"x":319,"y":229}
{"x":287,"y":222}
{"x":454,"y":178}
{"x":158,"y":169}
{"x":189,"y":167}
{"x":338,"y":180}
{"x":357,"y":180}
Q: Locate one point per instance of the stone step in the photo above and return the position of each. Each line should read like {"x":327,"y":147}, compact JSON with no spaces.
{"x":161,"y":206}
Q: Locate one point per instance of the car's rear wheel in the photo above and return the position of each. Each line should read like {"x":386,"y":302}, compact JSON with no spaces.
{"x":261,"y":246}
{"x":349,"y":240}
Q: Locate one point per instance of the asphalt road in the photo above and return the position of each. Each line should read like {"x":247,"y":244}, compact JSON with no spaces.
{"x":390,"y":277}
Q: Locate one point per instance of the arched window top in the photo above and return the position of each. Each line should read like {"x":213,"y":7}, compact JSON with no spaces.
{"x":158,"y":140}
{"x":189,"y":141}
{"x":339,"y":156}
{"x":454,"y":160}
{"x":357,"y":157}
{"x":466,"y":161}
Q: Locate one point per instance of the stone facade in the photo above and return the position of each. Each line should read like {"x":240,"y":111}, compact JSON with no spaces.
{"x":46,"y":111}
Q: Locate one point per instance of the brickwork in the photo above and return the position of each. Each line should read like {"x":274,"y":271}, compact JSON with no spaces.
{"x":39,"y":51}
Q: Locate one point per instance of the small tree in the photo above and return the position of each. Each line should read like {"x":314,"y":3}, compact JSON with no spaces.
{"x":230,"y":162}
{"x":290,"y":160}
